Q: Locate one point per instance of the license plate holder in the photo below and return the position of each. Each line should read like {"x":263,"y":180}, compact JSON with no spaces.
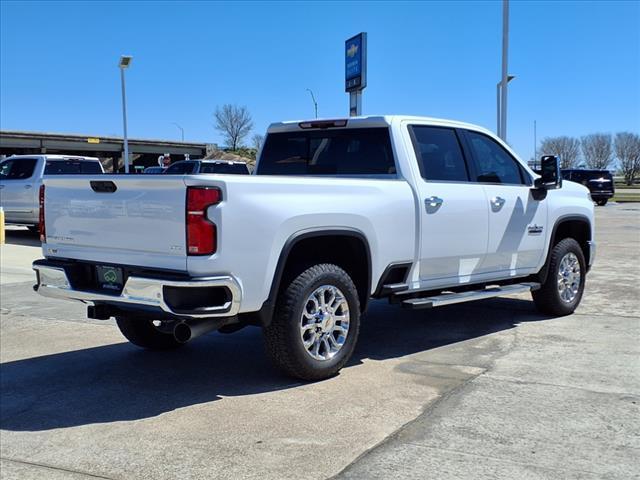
{"x":110,"y":278}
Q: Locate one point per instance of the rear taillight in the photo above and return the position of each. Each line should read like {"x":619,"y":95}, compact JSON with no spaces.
{"x":43,"y":233}
{"x":201,"y":232}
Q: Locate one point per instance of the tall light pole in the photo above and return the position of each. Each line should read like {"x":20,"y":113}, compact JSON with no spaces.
{"x":498,"y":105}
{"x":181,"y":129}
{"x":313,"y":98}
{"x":125,"y":61}
{"x":505,"y":68}
{"x":535,"y":143}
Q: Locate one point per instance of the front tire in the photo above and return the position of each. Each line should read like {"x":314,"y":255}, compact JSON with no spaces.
{"x":602,"y":202}
{"x":315,"y":325}
{"x":562,"y":291}
{"x":143,"y":333}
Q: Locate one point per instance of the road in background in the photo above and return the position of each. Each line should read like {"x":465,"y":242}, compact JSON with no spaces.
{"x":484,"y":390}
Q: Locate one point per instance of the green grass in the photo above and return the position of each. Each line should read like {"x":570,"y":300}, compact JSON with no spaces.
{"x":627,"y":196}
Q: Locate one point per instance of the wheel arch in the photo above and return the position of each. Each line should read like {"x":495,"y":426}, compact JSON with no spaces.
{"x":293,"y":260}
{"x":577,"y":227}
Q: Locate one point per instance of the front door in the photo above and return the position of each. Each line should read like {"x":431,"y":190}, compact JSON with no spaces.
{"x":453,"y":211}
{"x":517,"y":222}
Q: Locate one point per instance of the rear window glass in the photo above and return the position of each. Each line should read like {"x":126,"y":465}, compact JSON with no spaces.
{"x":68,"y":167}
{"x":180,"y":168}
{"x":583,"y":176}
{"x":362,"y":151}
{"x":224,"y":168}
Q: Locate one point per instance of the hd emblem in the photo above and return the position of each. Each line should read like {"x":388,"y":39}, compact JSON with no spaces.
{"x":534,"y":229}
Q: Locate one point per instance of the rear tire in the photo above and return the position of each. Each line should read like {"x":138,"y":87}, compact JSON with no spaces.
{"x":144,"y":334}
{"x":562,"y":291}
{"x":602,"y":202}
{"x":321,"y":302}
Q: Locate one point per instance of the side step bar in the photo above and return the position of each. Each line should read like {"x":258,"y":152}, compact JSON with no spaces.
{"x":451,"y":298}
{"x":393,"y":288}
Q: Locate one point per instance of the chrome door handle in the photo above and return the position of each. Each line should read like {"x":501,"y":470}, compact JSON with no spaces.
{"x":433,"y":202}
{"x":497,"y":202}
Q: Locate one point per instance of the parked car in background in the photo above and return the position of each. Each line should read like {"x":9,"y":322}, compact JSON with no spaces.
{"x":154,"y":170}
{"x":191,"y":167}
{"x":21,"y":177}
{"x":599,"y":183}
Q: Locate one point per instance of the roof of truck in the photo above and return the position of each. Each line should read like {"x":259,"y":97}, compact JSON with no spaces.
{"x":372,"y":121}
{"x":54,"y":157}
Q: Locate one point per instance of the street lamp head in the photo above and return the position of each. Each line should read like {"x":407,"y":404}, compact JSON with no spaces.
{"x":125,"y":61}
{"x":510,"y":77}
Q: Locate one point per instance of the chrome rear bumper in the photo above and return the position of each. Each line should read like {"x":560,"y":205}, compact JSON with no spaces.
{"x":149,"y":292}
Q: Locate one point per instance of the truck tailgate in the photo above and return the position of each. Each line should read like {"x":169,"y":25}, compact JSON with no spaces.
{"x":141,"y":223}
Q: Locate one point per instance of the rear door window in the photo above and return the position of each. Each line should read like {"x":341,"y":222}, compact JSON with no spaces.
{"x":18,"y":169}
{"x":352,"y":152}
{"x":70,"y":167}
{"x":439,"y":154}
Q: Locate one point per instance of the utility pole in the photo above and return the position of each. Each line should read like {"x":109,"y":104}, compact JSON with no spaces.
{"x":125,"y":61}
{"x":498,"y":105}
{"x":535,"y":144}
{"x":313,"y":98}
{"x":181,"y":129}
{"x":505,"y":68}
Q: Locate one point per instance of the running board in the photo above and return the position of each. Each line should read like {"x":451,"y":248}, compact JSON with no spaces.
{"x":393,"y":288}
{"x":451,"y":298}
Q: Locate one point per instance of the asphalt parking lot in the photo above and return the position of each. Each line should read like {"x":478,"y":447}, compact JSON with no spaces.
{"x":484,"y":390}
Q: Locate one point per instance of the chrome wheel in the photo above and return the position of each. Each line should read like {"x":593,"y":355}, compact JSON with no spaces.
{"x":324,"y":324}
{"x":569,"y":277}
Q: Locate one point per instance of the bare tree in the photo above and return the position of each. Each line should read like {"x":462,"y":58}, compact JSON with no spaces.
{"x":597,"y":150}
{"x":234,"y":122}
{"x":257,"y":140}
{"x":627,"y":148}
{"x":567,"y":148}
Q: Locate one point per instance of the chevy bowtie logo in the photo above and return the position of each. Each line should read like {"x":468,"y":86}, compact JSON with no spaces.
{"x":352,"y":50}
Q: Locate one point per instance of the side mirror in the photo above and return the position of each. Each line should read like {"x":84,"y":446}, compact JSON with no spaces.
{"x":550,"y":175}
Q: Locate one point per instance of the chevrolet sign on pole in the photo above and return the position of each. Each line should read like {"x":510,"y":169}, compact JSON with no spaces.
{"x":355,"y":71}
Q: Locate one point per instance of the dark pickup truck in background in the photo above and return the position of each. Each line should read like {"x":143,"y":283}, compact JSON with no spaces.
{"x":599,"y":183}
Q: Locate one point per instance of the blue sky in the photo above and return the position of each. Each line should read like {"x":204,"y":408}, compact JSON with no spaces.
{"x":577,"y":64}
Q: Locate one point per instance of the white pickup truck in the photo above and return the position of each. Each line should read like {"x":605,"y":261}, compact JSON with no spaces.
{"x":21,"y":177}
{"x":421,"y":211}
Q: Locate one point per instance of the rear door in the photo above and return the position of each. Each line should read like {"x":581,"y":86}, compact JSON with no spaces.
{"x":517,"y":222}
{"x":453,"y":211}
{"x":18,"y":189}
